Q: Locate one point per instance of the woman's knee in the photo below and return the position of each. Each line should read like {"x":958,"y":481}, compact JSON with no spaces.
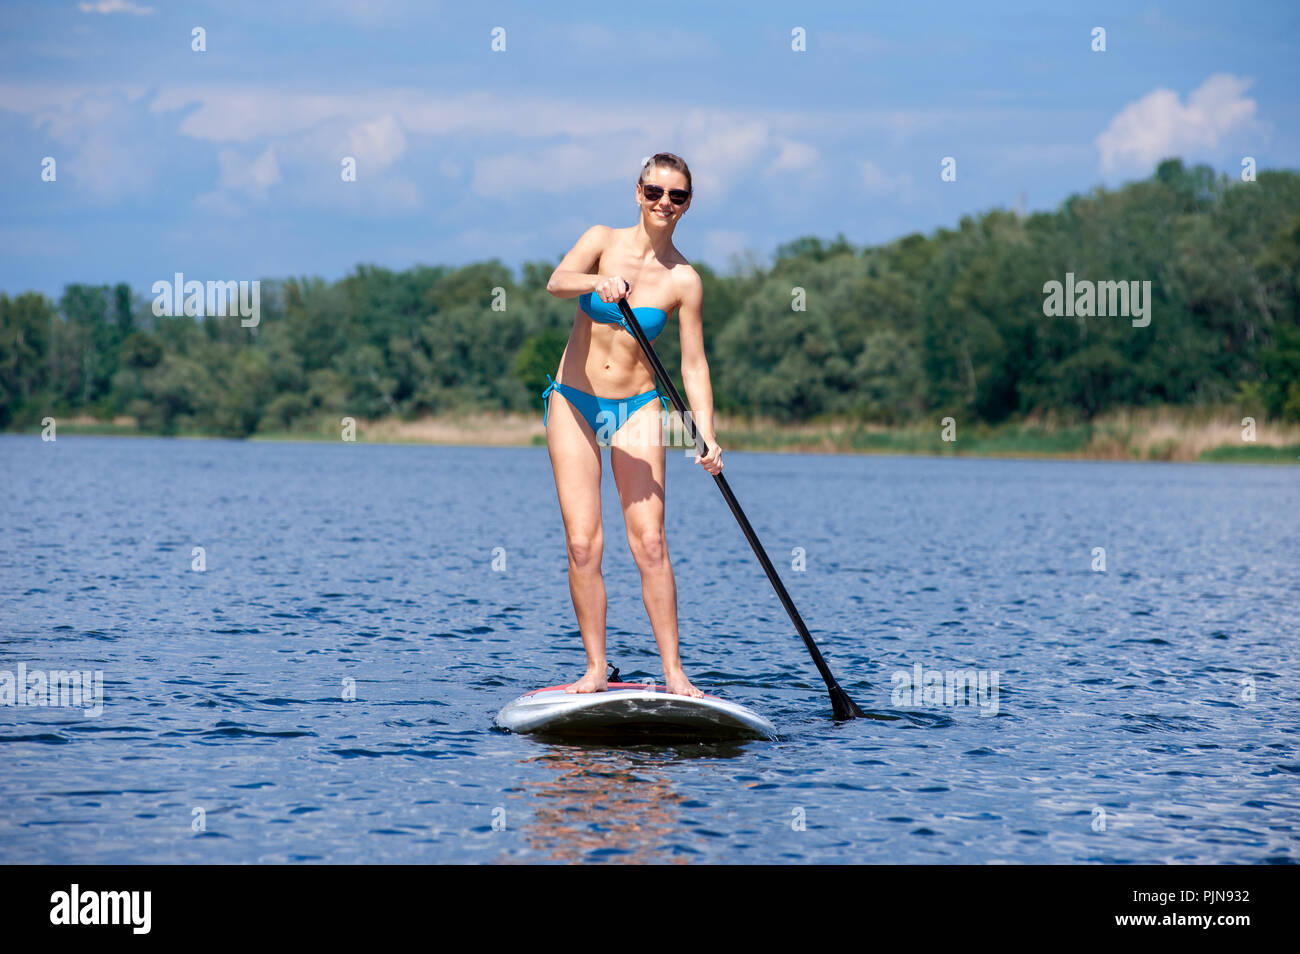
{"x":585,"y":549}
{"x":649,"y":546}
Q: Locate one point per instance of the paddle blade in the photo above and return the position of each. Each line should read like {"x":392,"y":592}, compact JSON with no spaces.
{"x":843,"y":707}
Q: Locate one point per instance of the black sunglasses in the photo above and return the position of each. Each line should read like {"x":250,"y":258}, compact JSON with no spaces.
{"x":654,"y":193}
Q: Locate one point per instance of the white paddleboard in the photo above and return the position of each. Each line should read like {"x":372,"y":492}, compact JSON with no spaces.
{"x":630,"y":710}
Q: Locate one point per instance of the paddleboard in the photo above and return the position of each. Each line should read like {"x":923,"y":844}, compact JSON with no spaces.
{"x":633,"y":711}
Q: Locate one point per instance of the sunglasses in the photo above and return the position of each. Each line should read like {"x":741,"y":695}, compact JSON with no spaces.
{"x":654,"y":193}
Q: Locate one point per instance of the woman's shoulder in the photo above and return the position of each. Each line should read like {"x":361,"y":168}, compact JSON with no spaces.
{"x":684,"y":276}
{"x":598,"y":233}
{"x":596,"y":240}
{"x":685,"y":282}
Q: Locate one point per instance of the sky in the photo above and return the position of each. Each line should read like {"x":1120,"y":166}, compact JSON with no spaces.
{"x":505,"y":130}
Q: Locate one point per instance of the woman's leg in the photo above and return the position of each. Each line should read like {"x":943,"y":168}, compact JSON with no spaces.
{"x":637,"y":459}
{"x":575,"y":461}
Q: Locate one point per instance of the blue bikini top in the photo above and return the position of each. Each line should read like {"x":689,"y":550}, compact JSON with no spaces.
{"x":608,"y":313}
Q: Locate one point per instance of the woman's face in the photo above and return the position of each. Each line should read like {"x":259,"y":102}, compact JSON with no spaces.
{"x":662,"y":211}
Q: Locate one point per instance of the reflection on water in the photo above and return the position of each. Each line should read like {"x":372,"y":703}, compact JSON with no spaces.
{"x":615,"y":805}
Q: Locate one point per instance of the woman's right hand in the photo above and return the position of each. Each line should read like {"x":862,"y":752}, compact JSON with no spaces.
{"x":612,"y":288}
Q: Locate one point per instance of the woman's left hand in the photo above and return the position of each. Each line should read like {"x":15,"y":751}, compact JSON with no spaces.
{"x":713,"y":462}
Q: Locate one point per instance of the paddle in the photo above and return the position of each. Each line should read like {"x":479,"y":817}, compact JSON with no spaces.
{"x":841,"y":705}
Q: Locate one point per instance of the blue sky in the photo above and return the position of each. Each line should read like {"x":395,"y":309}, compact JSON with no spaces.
{"x":225,"y":164}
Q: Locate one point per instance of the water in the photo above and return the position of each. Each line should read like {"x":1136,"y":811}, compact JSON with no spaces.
{"x":1147,"y":713}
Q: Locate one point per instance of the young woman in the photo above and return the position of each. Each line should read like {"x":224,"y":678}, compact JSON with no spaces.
{"x":604,"y":390}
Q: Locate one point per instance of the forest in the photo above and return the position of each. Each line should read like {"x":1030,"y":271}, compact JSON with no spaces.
{"x":949,"y":324}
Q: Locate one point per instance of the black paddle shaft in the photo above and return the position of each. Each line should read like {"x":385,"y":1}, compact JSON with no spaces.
{"x":841,"y":705}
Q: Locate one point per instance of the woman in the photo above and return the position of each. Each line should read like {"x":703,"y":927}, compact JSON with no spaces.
{"x":585,"y":405}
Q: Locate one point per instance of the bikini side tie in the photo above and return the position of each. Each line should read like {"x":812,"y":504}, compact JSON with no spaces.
{"x":546,"y":405}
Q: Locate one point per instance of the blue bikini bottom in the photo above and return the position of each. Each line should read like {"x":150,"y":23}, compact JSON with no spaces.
{"x":605,"y":415}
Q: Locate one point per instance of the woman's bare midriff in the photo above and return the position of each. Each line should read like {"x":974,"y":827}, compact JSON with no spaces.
{"x":615,"y":366}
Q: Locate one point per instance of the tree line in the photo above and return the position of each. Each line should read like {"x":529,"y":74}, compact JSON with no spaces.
{"x":951,"y":323}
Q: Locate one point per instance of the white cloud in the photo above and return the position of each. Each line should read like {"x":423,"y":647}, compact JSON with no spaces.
{"x":220,"y":204}
{"x":110,"y":168}
{"x":114,"y":6}
{"x":498,"y":145}
{"x":558,"y":170}
{"x":731,"y":138}
{"x":377,"y":143}
{"x":41,"y":100}
{"x":70,"y":120}
{"x":719,"y":147}
{"x":1159,"y":125}
{"x":795,"y":156}
{"x":243,"y":114}
{"x":100,"y":143}
{"x":253,"y":176}
{"x":877,"y":181}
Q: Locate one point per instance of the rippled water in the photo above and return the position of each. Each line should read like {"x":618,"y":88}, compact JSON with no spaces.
{"x":1147,"y":713}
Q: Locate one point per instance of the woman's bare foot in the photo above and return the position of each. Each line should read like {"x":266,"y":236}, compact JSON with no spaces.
{"x":678,"y":684}
{"x":593,"y":681}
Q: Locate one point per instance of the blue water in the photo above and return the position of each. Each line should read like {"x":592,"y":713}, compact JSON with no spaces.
{"x":1147,"y":713}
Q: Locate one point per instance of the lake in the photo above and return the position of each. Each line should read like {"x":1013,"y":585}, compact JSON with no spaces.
{"x":318,"y":683}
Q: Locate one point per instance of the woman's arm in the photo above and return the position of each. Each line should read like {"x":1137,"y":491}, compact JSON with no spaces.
{"x":575,"y":275}
{"x":695,"y":368}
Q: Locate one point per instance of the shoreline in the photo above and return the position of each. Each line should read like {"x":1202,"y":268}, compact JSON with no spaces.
{"x":1166,"y":434}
